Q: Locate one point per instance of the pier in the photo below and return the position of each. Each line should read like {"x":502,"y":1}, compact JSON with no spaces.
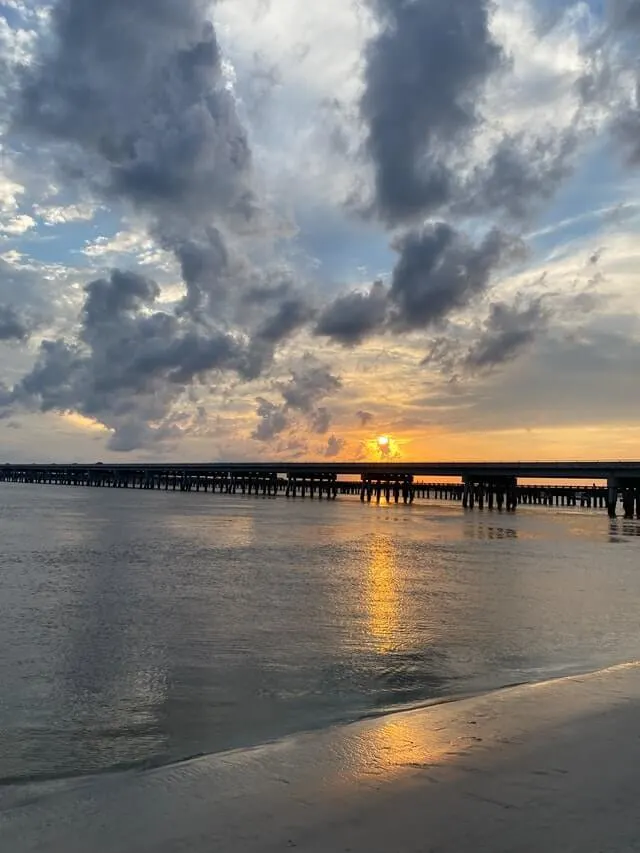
{"x":481,"y":485}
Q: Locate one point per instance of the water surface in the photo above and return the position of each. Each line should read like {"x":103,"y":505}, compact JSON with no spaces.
{"x":142,"y":628}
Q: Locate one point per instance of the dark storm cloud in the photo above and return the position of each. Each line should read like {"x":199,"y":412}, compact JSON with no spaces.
{"x":440,"y":271}
{"x":138,"y":87}
{"x":133,"y":96}
{"x":508,"y":330}
{"x":424,"y":75}
{"x":130,"y":364}
{"x":353,"y":317}
{"x":365,"y":418}
{"x":292,"y":314}
{"x":105,"y":377}
{"x":204,"y":265}
{"x":12,"y":326}
{"x":123,"y":293}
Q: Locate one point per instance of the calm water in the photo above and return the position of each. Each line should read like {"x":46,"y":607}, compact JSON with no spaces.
{"x":142,"y":628}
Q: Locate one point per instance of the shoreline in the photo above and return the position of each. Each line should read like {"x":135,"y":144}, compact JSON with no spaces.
{"x":568,"y":746}
{"x":375,"y":713}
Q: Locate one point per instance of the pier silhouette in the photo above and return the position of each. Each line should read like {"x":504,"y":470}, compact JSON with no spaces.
{"x":482,"y":485}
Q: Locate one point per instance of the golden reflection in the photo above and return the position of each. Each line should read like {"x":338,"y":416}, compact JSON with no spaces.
{"x":404,"y":743}
{"x":382,"y":595}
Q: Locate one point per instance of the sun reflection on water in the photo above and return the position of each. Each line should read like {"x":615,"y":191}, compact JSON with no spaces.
{"x":405,"y":742}
{"x":382,"y":595}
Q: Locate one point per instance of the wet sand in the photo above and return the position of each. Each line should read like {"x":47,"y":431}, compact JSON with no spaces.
{"x":547,"y":767}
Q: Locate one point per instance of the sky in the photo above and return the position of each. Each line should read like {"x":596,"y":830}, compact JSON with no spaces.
{"x":272,"y":229}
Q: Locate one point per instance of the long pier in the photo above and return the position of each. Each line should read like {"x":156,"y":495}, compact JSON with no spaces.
{"x":490,"y":485}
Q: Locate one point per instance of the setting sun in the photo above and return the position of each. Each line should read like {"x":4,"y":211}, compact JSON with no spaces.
{"x":381,"y":447}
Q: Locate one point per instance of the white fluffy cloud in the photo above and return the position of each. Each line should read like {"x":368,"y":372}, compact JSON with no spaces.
{"x":61,"y":215}
{"x":15,"y":226}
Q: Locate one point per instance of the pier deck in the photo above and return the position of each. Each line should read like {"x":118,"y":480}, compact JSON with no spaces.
{"x":491,"y":485}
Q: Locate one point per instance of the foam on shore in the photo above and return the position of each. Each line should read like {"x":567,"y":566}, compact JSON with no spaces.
{"x":549,"y":766}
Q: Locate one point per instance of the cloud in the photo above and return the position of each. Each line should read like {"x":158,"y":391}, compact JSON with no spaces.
{"x":205,"y":267}
{"x":471,"y":349}
{"x":140,"y":91}
{"x":440,"y":271}
{"x":619,"y":70}
{"x":554,"y":386}
{"x":424,"y":77}
{"x":10,"y":191}
{"x":12,"y":327}
{"x":123,"y":293}
{"x":468,"y":111}
{"x":521,"y":172}
{"x":451,"y":121}
{"x":15,"y":226}
{"x":139,"y":109}
{"x":321,"y":420}
{"x":132,"y":435}
{"x":353,"y":317}
{"x":272,"y":421}
{"x":137,"y":105}
{"x":334,"y":447}
{"x":508,"y":330}
{"x":122,"y":243}
{"x":29,"y":288}
{"x":310,"y":384}
{"x":62,"y":215}
{"x":293,"y":313}
{"x":130,"y":364}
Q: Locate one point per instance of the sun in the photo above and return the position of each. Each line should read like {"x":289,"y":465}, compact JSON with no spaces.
{"x":382,"y":448}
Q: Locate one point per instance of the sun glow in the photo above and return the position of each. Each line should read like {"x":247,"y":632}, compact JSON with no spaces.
{"x":75,"y":419}
{"x":382,"y":447}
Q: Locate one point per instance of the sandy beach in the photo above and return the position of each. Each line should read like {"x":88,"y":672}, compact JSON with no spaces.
{"x":551,"y":766}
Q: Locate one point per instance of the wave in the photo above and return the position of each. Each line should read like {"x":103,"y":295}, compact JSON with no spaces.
{"x":55,"y":781}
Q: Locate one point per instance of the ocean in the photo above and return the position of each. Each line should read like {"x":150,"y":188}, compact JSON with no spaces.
{"x":139,"y":629}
